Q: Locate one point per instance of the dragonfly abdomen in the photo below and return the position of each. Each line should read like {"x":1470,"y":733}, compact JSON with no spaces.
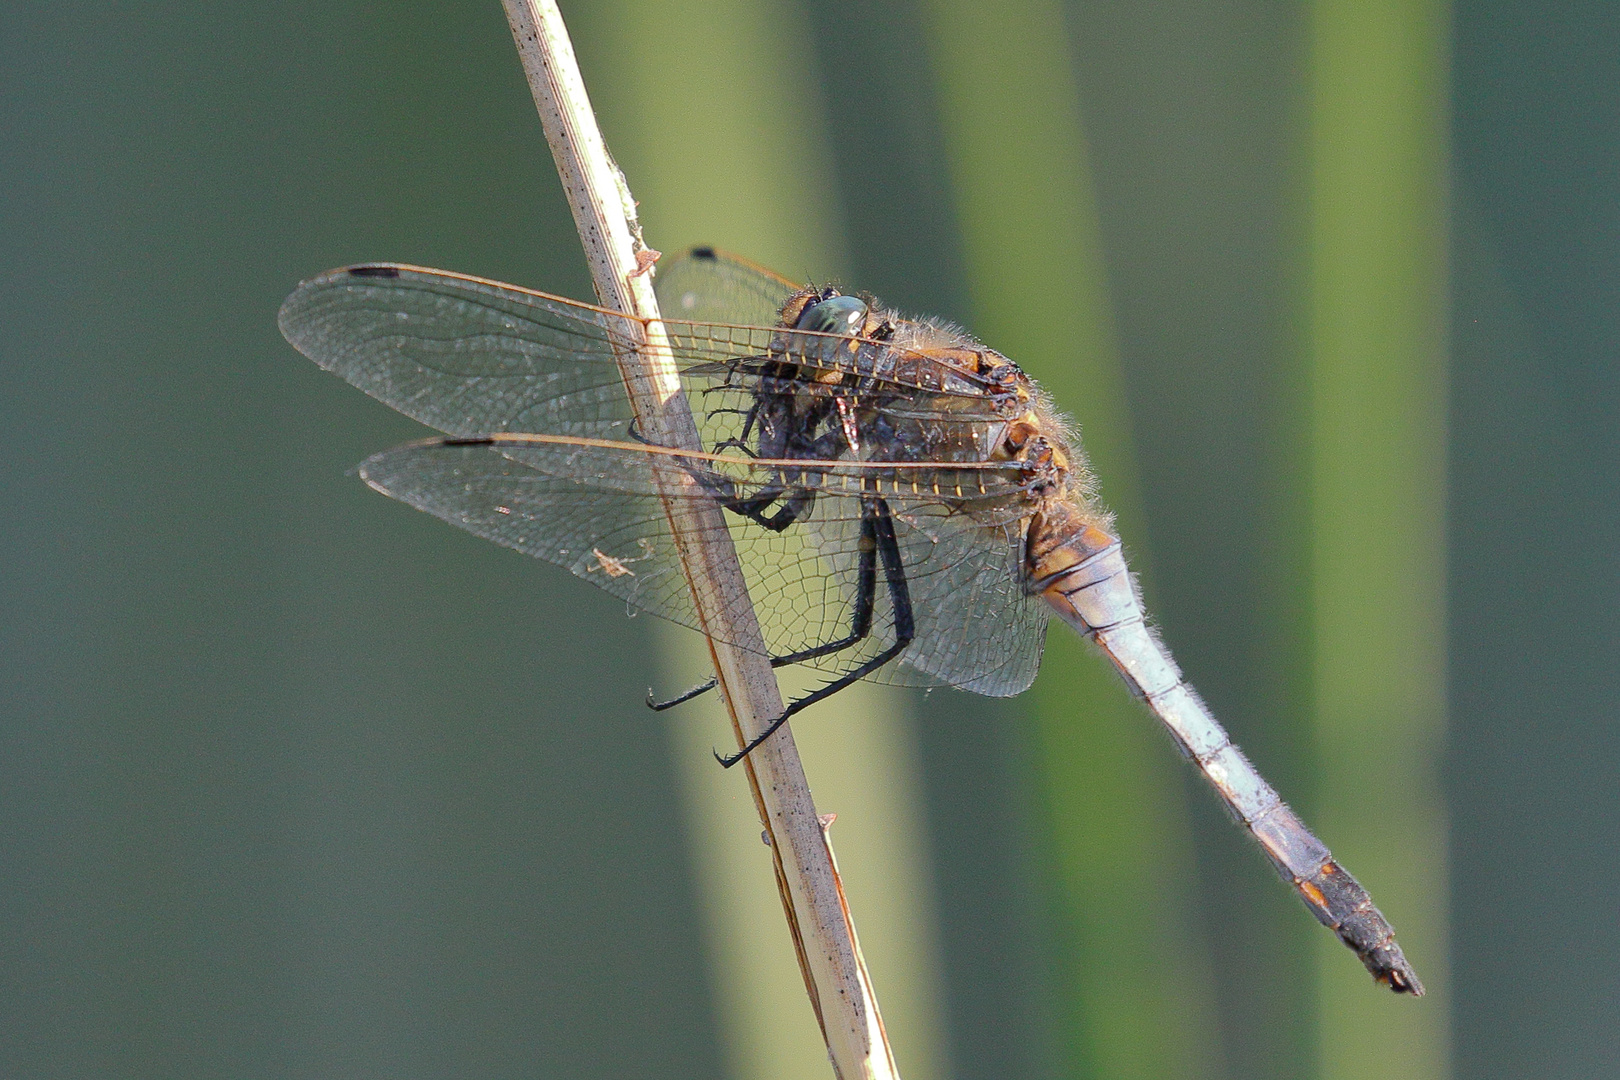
{"x":1096,"y":596}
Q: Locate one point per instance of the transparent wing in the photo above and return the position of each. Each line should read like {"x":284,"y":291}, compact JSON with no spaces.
{"x":469,"y":356}
{"x":710,"y":286}
{"x":977,"y":627}
{"x":464,"y":355}
{"x":595,"y":510}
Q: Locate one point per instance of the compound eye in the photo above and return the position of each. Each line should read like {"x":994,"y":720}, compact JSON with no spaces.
{"x":838,"y":315}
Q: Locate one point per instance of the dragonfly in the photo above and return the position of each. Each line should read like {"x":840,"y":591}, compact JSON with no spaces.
{"x":907,"y":505}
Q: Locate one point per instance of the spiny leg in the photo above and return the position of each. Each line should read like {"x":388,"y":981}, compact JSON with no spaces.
{"x":905,"y":625}
{"x":860,"y":625}
{"x":740,"y":441}
{"x":795,"y":507}
{"x":724,"y":491}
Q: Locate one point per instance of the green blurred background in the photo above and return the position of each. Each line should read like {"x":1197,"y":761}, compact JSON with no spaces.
{"x":299,"y":783}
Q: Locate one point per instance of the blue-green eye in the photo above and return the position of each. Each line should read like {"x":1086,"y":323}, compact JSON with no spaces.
{"x":838,"y":315}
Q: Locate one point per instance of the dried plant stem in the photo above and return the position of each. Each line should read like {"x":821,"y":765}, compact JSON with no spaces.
{"x":812,"y":896}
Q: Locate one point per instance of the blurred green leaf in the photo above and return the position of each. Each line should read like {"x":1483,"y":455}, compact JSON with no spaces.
{"x":1136,"y":993}
{"x":1378,"y":317}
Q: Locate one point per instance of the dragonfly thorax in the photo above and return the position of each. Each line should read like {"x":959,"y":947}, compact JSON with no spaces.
{"x":846,"y":362}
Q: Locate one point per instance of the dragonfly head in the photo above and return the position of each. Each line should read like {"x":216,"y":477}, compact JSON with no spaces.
{"x":833,"y":326}
{"x":834,"y":315}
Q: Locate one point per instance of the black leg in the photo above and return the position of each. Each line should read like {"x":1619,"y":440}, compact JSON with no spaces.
{"x":741,"y":441}
{"x":860,"y":625}
{"x":680,"y":699}
{"x":724,"y":492}
{"x":796,"y":506}
{"x":905,"y":627}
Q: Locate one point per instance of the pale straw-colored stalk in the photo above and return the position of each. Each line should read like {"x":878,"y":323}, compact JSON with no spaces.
{"x":818,"y":915}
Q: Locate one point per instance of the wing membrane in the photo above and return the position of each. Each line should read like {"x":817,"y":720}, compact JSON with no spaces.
{"x":976,"y":627}
{"x":473,"y":357}
{"x":595,"y":510}
{"x":470,"y":356}
{"x":710,"y":286}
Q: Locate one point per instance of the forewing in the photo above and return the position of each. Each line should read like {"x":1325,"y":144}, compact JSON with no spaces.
{"x":709,"y":286}
{"x":464,"y":355}
{"x":470,"y":356}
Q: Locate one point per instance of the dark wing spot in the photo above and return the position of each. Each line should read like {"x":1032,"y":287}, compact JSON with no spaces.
{"x":704,"y":253}
{"x":374,"y":271}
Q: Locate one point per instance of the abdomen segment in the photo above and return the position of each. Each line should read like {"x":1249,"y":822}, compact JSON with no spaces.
{"x":1096,"y":596}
